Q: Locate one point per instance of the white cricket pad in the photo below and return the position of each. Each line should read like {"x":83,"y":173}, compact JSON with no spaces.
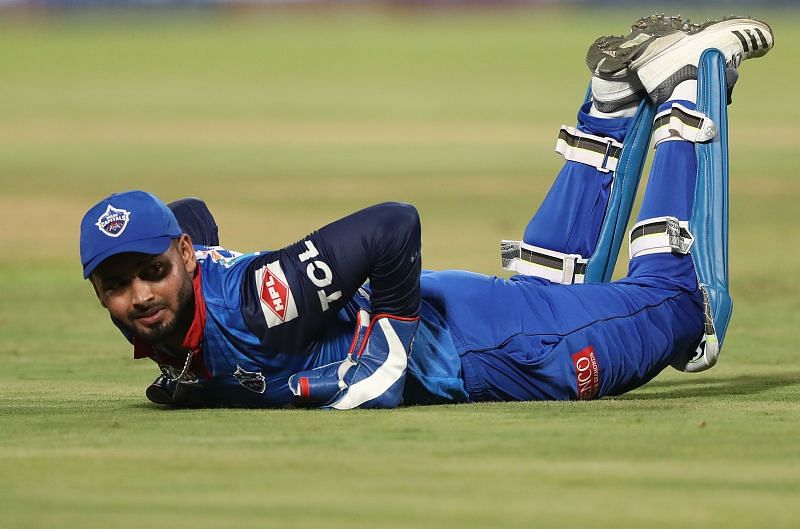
{"x":529,"y":260}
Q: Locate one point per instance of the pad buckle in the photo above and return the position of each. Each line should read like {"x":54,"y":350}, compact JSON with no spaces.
{"x":660,"y":235}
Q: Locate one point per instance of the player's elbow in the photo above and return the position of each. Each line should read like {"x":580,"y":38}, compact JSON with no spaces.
{"x":399,"y":217}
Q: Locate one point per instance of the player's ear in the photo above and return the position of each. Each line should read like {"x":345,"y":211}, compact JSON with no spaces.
{"x":96,"y":292}
{"x":186,"y":251}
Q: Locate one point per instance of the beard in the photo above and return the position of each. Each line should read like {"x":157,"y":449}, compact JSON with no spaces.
{"x":175,"y":327}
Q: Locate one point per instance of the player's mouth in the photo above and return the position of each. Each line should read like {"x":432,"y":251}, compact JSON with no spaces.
{"x":150,"y":318}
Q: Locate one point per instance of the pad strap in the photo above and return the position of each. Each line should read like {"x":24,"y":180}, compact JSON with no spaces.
{"x":556,"y":267}
{"x":680,"y":123}
{"x":597,"y":151}
{"x":660,"y":235}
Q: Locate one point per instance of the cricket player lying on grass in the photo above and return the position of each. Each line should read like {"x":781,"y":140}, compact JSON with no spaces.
{"x":345,"y":318}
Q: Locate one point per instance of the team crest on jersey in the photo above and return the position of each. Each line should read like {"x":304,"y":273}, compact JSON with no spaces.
{"x":277,"y":302}
{"x":217,"y":254}
{"x":113,"y":221}
{"x":252,"y":380}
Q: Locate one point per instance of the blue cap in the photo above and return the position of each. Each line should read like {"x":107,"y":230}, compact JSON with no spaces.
{"x":133,"y":221}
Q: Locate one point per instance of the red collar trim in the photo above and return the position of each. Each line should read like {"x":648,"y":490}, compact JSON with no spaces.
{"x":194,"y":336}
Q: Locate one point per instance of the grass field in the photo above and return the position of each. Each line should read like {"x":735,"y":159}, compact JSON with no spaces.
{"x":285,"y":122}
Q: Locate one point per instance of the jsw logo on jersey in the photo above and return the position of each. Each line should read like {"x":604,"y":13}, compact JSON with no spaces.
{"x":277,"y":302}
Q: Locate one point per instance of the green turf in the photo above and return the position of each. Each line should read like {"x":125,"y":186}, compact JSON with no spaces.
{"x":284,"y":122}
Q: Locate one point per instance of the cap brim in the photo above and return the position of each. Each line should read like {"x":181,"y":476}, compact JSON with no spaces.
{"x":154,"y":246}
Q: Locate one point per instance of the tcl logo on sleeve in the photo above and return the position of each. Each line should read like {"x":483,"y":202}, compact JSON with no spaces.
{"x":587,"y":372}
{"x":320,"y":274}
{"x":277,"y":302}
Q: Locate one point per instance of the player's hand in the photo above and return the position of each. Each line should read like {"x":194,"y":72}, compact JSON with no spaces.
{"x":378,"y":378}
{"x":372,"y":375}
{"x":321,"y":385}
{"x":166,"y":391}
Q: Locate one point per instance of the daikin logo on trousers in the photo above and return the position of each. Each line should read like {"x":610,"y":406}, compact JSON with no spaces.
{"x":587,"y":373}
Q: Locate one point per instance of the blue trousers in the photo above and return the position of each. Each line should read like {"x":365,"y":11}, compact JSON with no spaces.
{"x":527,"y":339}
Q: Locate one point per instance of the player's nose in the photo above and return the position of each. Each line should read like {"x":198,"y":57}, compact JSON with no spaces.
{"x":141,"y":293}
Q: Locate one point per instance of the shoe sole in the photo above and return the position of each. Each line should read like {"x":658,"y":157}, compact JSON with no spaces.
{"x":608,"y":57}
{"x":614,"y":57}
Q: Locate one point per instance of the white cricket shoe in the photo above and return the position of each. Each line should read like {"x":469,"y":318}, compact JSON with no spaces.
{"x":663,"y":61}
{"x":613,"y":84}
{"x":608,"y":57}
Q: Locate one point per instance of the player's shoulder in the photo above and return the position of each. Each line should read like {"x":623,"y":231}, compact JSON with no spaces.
{"x":217,"y":254}
{"x":223,"y":272}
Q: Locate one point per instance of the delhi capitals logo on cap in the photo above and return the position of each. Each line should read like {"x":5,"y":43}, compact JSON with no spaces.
{"x":113,"y":221}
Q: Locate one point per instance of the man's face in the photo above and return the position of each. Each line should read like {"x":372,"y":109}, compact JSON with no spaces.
{"x":150,"y":295}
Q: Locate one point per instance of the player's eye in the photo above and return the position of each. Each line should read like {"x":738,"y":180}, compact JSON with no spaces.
{"x":113,"y":285}
{"x":155,"y":270}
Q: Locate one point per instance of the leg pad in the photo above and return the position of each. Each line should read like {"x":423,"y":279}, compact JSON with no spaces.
{"x":709,"y":219}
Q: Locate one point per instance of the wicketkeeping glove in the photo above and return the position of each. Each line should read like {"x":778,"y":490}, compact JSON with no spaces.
{"x":372,"y":375}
